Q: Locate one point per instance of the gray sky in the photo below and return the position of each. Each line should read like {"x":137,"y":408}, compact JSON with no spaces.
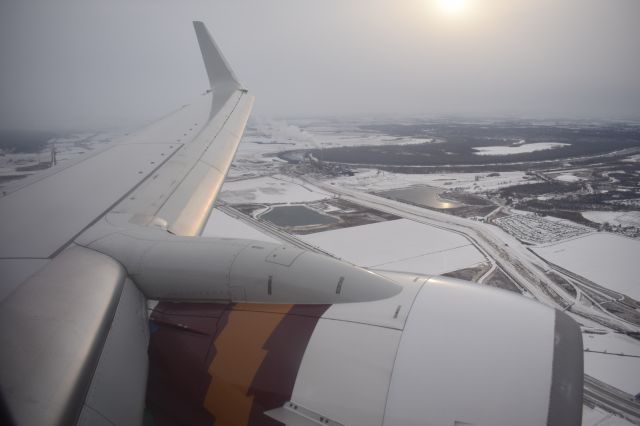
{"x":96,"y":63}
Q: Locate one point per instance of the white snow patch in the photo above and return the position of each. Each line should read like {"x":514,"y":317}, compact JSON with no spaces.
{"x":607,"y":259}
{"x":566,"y":177}
{"x":259,"y":146}
{"x":374,"y":180}
{"x":520,"y":149}
{"x":221,"y":225}
{"x":598,"y":417}
{"x":400,"y":245}
{"x":613,"y":343}
{"x":435,"y":263}
{"x":270,"y":190}
{"x":613,"y":218}
{"x":618,"y":371}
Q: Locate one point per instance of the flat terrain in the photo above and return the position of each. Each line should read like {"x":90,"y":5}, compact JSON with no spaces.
{"x":221,"y":225}
{"x":399,"y":245}
{"x":613,"y":359}
{"x":269,"y":190}
{"x":609,"y":260}
{"x":454,"y":144}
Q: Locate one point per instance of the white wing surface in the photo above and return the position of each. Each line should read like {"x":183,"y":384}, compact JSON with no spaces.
{"x":167,"y":174}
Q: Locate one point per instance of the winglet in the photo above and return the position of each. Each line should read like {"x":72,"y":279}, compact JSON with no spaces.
{"x":218,"y":69}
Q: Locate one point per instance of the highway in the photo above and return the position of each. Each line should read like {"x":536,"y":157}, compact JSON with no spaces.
{"x":611,"y":399}
{"x":523,"y":267}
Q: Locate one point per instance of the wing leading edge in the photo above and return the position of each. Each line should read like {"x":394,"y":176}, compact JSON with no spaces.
{"x":167,"y":174}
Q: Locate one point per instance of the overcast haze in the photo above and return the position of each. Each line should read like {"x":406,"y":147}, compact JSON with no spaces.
{"x":96,"y":64}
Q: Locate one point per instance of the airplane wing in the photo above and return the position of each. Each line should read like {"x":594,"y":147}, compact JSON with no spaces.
{"x":245,"y":332}
{"x":166,"y":175}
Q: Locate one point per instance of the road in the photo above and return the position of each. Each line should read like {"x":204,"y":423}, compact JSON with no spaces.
{"x":523,"y":267}
{"x":611,"y":399}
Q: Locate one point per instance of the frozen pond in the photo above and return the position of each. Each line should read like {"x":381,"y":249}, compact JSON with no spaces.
{"x":425,"y":196}
{"x":296,"y":216}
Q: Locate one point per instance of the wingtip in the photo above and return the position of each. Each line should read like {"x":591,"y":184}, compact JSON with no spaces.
{"x":218,"y":68}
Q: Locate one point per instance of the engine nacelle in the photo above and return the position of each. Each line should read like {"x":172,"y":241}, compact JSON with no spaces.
{"x":169,"y":267}
{"x":440,"y":352}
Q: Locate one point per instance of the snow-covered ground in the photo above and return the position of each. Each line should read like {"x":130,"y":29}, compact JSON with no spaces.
{"x":622,"y":372}
{"x":270,"y":190}
{"x":599,"y":417}
{"x":223,"y":226}
{"x":519,"y":149}
{"x":332,"y":135}
{"x":604,"y":258}
{"x":334,"y":139}
{"x":399,"y":245}
{"x":256,"y":154}
{"x":260,"y":143}
{"x":374,"y":180}
{"x":66,"y":149}
{"x":568,"y":177}
{"x":614,"y":218}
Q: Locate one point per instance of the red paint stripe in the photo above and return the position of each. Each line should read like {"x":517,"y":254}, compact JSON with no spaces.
{"x":273,"y":383}
{"x":183,"y":347}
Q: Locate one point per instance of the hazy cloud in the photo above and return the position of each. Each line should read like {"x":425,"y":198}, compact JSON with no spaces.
{"x":90,"y":63}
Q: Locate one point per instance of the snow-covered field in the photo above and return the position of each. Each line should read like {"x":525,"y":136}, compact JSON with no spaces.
{"x":399,"y":245}
{"x":223,"y":226}
{"x":622,"y":372}
{"x":598,"y":417}
{"x":66,"y":149}
{"x":333,"y":135}
{"x":632,"y":159}
{"x":270,"y":190}
{"x":568,"y":177}
{"x":257,"y":151}
{"x":606,"y":259}
{"x":520,"y":149}
{"x":374,"y":180}
{"x":261,"y":143}
{"x":614,"y":218}
{"x":334,"y":139}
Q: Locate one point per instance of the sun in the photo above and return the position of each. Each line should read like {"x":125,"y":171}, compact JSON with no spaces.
{"x":452,"y":7}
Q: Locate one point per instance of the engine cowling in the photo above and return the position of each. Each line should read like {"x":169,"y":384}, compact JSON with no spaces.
{"x":441,"y":351}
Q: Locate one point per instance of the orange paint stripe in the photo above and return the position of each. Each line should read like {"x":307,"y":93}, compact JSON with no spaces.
{"x":239,"y":354}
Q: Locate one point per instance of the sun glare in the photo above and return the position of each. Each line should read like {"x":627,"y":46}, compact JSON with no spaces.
{"x":452,"y":7}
